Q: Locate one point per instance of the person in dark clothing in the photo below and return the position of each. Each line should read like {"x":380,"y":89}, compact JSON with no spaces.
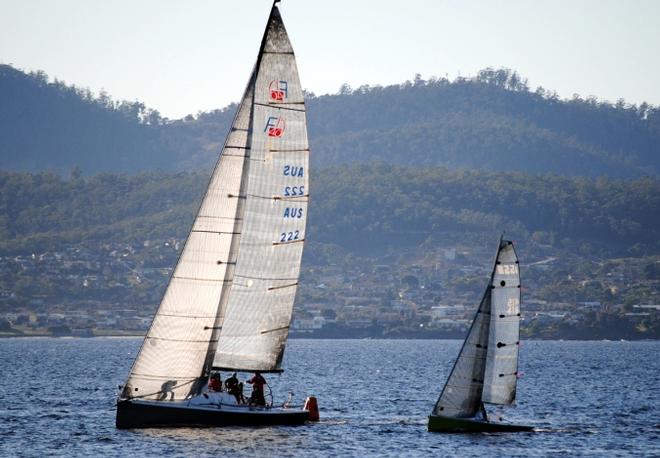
{"x":258,"y":383}
{"x":235,"y":388}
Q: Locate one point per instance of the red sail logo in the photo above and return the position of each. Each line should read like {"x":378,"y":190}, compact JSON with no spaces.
{"x":275,"y":126}
{"x":278,"y":90}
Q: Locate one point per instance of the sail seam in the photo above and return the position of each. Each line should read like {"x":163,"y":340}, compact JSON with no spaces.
{"x":264,"y":278}
{"x":280,"y":197}
{"x":231,"y":218}
{"x":215,"y":232}
{"x":278,"y":107}
{"x":289,"y":243}
{"x":203,"y":279}
{"x":167,"y":339}
{"x":281,"y":287}
{"x":181,"y":315}
{"x":266,"y":331}
{"x":289,"y":150}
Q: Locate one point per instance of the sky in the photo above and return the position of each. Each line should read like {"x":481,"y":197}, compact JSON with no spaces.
{"x":182,"y":57}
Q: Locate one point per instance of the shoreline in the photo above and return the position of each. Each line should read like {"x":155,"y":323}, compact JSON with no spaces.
{"x":311,"y":337}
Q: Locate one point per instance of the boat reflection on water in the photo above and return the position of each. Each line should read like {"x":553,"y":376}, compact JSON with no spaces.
{"x":237,"y":438}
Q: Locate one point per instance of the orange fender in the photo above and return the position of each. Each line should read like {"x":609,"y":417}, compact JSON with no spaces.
{"x":313,"y":407}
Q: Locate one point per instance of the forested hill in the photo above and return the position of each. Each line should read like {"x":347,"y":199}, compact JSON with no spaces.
{"x":372,"y":208}
{"x":53,"y":126}
{"x":492,"y":122}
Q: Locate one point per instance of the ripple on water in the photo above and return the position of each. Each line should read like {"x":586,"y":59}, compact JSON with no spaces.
{"x":374,"y":398}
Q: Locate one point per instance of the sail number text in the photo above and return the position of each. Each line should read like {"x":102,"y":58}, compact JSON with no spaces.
{"x":507,"y":269}
{"x":294,"y":191}
{"x":294,"y":171}
{"x":289,"y":236}
{"x":293,"y":212}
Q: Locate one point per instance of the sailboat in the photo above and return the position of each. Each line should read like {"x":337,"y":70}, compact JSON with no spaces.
{"x":229,"y":300}
{"x":486,"y":370}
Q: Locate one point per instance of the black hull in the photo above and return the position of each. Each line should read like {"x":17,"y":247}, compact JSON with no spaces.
{"x":147,"y":415}
{"x":440,"y":424}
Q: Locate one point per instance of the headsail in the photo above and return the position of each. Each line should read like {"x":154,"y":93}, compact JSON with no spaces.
{"x":501,"y":374}
{"x":461,"y":395}
{"x":258,"y":314}
{"x":242,"y":211}
{"x":486,"y":367}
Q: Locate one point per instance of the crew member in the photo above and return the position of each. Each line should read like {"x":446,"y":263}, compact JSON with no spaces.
{"x":215,"y":382}
{"x":235,"y":388}
{"x":258,"y":383}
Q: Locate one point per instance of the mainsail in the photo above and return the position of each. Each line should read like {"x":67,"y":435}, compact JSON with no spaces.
{"x":501,"y":374}
{"x":230,"y":298}
{"x":486,"y":367}
{"x":258,"y":313}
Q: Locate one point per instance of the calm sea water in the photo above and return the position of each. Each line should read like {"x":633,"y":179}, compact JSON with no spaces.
{"x":588,"y":398}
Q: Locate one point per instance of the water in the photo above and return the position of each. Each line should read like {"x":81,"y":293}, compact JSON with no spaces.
{"x":588,"y":398}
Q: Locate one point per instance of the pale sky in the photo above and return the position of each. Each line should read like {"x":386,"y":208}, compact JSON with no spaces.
{"x":182,"y":57}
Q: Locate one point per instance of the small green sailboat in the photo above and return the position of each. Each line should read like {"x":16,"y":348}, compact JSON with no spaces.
{"x":486,"y":370}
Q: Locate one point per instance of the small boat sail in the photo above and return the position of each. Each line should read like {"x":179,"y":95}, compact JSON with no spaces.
{"x":229,"y":301}
{"x":486,"y":370}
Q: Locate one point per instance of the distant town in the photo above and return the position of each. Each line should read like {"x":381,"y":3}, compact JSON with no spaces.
{"x":114,"y":289}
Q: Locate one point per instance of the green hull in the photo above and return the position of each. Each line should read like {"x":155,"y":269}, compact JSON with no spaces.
{"x":441,"y":424}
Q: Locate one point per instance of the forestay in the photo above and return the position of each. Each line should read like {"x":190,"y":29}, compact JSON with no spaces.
{"x":235,"y":280}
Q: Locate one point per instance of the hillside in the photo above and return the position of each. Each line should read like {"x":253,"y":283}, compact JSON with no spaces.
{"x":51,"y":126}
{"x":490,"y":122}
{"x":363,"y":209}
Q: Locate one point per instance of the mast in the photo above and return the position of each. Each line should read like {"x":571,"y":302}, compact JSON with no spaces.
{"x":178,"y":350}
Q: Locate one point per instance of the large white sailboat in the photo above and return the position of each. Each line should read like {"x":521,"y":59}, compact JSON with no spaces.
{"x":229,"y":301}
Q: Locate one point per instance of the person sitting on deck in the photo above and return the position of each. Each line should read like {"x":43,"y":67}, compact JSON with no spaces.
{"x":235,"y":388}
{"x":215,"y":382}
{"x":257,"y":397}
